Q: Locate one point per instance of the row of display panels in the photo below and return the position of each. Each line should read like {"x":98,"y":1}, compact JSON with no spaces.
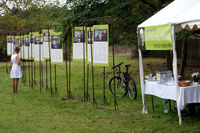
{"x":91,"y":43}
{"x":37,"y":47}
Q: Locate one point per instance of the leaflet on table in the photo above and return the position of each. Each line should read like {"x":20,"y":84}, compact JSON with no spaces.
{"x":89,"y":43}
{"x":47,"y":43}
{"x":38,"y":46}
{"x":9,"y":45}
{"x":101,"y":45}
{"x":79,"y":45}
{"x":56,"y":47}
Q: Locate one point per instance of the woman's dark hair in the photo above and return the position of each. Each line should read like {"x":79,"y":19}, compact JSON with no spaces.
{"x":17,"y":49}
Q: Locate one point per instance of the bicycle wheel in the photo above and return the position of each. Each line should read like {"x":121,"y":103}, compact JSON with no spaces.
{"x":119,"y":86}
{"x":132,"y":90}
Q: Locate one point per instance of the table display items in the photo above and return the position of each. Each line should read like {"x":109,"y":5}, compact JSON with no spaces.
{"x":150,"y":77}
{"x":167,"y":78}
{"x":164,"y":76}
{"x":195,"y":78}
{"x":161,"y":77}
{"x":184,"y":83}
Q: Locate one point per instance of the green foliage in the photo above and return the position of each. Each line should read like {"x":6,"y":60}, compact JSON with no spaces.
{"x":127,"y":15}
{"x":183,"y":34}
{"x":23,"y":15}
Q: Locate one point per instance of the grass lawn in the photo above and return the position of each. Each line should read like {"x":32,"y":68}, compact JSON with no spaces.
{"x":30,"y":111}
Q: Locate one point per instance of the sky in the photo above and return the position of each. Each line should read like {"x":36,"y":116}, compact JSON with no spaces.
{"x":62,"y":2}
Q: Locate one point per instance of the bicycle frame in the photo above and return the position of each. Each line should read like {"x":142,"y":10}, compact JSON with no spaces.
{"x":125,"y":77}
{"x":124,"y":81}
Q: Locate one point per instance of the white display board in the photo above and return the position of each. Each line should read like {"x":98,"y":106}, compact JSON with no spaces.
{"x":24,"y":53}
{"x":9,"y":45}
{"x":32,"y":47}
{"x":46,"y":44}
{"x":18,"y":44}
{"x":21,"y":50}
{"x":13,"y":44}
{"x":26,"y":48}
{"x":89,"y":43}
{"x":56,"y":47}
{"x":101,"y":46}
{"x":79,"y":45}
{"x":23,"y":47}
{"x":38,"y":48}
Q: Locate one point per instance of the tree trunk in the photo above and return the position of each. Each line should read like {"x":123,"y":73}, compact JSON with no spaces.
{"x":183,"y":57}
{"x":134,"y":52}
{"x":169,"y":58}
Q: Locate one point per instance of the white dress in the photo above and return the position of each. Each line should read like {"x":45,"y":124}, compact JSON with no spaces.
{"x":16,"y":71}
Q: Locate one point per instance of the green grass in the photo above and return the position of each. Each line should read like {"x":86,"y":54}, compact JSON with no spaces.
{"x":33,"y":112}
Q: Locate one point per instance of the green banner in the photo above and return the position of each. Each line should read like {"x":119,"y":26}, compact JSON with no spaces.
{"x":158,"y":37}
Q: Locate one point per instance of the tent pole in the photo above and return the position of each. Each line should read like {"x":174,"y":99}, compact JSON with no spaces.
{"x":144,"y":110}
{"x":176,"y":74}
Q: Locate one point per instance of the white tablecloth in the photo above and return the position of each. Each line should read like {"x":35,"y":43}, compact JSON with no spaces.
{"x":189,"y":94}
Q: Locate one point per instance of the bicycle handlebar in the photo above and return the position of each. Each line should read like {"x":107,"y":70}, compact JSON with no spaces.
{"x":117,"y":65}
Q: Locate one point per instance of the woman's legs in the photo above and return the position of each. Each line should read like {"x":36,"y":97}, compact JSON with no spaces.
{"x":16,"y":84}
{"x":13,"y":85}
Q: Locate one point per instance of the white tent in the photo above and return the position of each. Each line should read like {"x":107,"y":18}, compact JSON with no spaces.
{"x":180,"y":14}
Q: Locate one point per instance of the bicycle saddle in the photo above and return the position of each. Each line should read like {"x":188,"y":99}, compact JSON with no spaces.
{"x":127,"y":65}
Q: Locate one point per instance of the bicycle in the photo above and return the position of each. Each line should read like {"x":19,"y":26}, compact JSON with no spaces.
{"x":123,"y":83}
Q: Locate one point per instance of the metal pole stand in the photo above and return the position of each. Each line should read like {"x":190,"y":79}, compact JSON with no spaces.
{"x":104,"y":86}
{"x":87,"y":92}
{"x":47,"y":88}
{"x":56,"y":89}
{"x":34,"y":76}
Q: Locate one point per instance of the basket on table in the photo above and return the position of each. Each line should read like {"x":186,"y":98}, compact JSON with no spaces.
{"x":184,"y":83}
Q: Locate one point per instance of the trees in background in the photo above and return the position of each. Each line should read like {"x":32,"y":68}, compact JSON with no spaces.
{"x":17,"y":15}
{"x":127,"y":14}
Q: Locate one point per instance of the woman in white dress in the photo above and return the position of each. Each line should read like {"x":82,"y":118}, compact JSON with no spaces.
{"x":16,"y":72}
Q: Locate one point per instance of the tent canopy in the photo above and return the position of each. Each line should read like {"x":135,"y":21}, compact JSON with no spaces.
{"x":184,"y":14}
{"x":180,"y":14}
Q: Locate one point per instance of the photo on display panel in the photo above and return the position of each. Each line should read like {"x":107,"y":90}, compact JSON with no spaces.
{"x":46,"y":37}
{"x":79,"y":36}
{"x":32,"y":39}
{"x":27,"y":42}
{"x":100,"y":35}
{"x":24,"y":41}
{"x":38,"y":40}
{"x":9,"y":40}
{"x":18,"y":42}
{"x":56,"y":42}
{"x":90,"y":33}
